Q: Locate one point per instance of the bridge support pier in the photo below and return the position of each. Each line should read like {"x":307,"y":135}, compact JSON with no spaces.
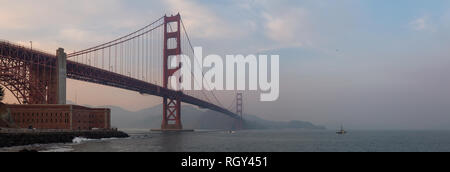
{"x":61,"y":75}
{"x":171,"y":114}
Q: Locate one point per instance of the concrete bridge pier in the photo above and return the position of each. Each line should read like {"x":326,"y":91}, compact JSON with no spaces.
{"x":61,"y":76}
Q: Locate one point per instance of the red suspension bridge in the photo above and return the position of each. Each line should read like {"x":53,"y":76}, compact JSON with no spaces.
{"x":138,"y":62}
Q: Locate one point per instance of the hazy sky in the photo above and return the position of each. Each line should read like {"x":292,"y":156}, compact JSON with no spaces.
{"x":370,"y":64}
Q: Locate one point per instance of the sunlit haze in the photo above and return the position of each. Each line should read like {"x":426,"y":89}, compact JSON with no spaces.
{"x":368,"y":64}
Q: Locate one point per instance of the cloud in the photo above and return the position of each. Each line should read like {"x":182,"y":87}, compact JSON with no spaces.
{"x":290,"y":28}
{"x":28,"y":13}
{"x":70,"y":24}
{"x":283,"y":23}
{"x":80,"y":35}
{"x":419,"y":24}
{"x":202,"y":22}
{"x":422,"y":24}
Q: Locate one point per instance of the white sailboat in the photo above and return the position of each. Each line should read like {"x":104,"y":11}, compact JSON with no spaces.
{"x":342,"y":131}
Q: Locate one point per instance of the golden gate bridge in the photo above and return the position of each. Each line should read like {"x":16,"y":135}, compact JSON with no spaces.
{"x":137,"y":62}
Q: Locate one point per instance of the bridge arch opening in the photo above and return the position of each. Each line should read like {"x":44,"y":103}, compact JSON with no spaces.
{"x":21,"y":80}
{"x":9,"y":97}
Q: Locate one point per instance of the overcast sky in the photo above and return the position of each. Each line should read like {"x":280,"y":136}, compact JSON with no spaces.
{"x":372,"y":64}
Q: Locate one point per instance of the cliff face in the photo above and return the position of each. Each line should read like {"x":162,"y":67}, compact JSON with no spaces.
{"x":4,"y":117}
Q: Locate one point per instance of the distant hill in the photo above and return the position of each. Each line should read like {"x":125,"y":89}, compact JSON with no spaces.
{"x":195,"y":118}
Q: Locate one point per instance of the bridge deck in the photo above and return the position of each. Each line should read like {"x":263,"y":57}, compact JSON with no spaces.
{"x":86,"y":73}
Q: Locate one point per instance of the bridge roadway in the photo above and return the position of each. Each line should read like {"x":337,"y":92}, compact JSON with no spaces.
{"x":86,"y":73}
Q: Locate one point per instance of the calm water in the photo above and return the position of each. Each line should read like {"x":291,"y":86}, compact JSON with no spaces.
{"x":268,"y":141}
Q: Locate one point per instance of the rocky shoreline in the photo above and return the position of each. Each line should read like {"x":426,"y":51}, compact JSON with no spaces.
{"x":30,"y":138}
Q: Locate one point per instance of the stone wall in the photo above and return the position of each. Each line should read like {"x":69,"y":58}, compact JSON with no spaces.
{"x":29,"y":138}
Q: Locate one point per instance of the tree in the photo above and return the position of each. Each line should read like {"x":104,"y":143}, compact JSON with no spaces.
{"x":2,"y":94}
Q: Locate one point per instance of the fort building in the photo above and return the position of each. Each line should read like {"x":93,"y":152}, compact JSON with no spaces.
{"x":59,"y":117}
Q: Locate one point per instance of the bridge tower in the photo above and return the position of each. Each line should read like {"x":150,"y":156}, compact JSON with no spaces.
{"x":172,"y":103}
{"x":239,"y":109}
